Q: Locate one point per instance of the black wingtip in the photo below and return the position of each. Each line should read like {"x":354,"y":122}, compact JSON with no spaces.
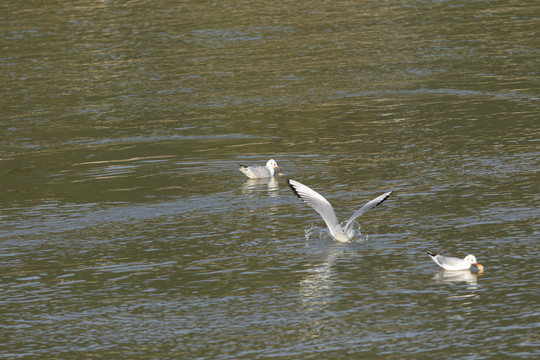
{"x":389,"y":194}
{"x":244,"y":166}
{"x":430,"y":253}
{"x":385,"y":198}
{"x":294,"y":189}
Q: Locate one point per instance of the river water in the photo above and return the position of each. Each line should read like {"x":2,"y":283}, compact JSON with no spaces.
{"x":127,"y":230}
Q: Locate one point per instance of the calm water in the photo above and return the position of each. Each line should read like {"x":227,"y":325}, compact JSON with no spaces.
{"x":127,"y":230}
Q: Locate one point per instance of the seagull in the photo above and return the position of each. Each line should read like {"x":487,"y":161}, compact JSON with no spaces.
{"x":341,"y":232}
{"x":259,"y":171}
{"x":452,"y":263}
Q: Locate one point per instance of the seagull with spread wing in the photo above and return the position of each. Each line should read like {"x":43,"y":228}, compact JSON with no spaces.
{"x":341,"y":232}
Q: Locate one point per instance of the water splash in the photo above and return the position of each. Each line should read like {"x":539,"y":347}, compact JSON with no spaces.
{"x":317,"y":233}
{"x":320,"y":233}
{"x":308,"y":232}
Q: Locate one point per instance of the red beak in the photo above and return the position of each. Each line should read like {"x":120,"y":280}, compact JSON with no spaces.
{"x":480,"y":267}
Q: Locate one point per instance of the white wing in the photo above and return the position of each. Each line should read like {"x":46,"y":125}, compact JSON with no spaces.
{"x":255,"y":171}
{"x":451,"y":263}
{"x":318,"y":202}
{"x":368,"y":206}
{"x":448,"y":263}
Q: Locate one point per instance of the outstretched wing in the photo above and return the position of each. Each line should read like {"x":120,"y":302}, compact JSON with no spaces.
{"x":368,"y":206}
{"x":316,"y":201}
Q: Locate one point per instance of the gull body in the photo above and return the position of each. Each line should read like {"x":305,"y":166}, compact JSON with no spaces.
{"x":343,"y":232}
{"x":259,"y":171}
{"x":453,"y":263}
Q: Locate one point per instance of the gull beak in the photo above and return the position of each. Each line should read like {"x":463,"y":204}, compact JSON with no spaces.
{"x":480,"y":267}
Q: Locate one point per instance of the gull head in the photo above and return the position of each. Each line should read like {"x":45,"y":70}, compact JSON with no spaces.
{"x":271,"y":165}
{"x":472,"y":260}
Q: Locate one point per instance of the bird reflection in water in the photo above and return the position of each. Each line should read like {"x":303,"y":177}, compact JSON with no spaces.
{"x":316,"y":286}
{"x":256,"y":185}
{"x":458,"y":276}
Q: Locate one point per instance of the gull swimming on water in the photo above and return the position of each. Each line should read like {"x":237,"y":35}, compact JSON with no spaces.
{"x":453,"y":263}
{"x":259,"y":171}
{"x":341,"y":232}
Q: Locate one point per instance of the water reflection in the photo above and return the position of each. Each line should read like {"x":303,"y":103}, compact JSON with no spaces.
{"x":455,"y":276}
{"x":316,"y":288}
{"x":256,"y":185}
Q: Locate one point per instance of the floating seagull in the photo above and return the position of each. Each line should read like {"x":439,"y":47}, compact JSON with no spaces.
{"x":259,"y":171}
{"x":342,"y":232}
{"x":452,"y":263}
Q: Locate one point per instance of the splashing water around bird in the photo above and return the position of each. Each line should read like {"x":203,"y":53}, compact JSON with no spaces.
{"x":314,"y":232}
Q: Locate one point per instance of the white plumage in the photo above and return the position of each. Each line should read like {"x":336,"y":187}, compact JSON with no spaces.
{"x":340,"y":232}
